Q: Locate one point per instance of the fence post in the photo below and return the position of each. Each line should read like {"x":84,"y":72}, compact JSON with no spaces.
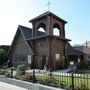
{"x":11,"y":72}
{"x":72,"y":77}
{"x":33,"y":75}
{"x":50,"y":73}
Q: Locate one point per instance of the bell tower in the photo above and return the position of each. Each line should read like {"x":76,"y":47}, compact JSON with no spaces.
{"x":54,"y":46}
{"x":48,"y":21}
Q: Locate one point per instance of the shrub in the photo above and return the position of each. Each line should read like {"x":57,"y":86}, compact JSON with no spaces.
{"x":21,"y":69}
{"x":26,"y":77}
{"x":5,"y":72}
{"x":2,"y":71}
{"x":63,"y":84}
{"x":62,"y":62}
{"x":82,"y":65}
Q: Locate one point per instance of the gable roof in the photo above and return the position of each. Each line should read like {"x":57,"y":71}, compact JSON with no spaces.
{"x":83,"y":49}
{"x":27,"y":32}
{"x":45,"y":14}
{"x":72,"y":51}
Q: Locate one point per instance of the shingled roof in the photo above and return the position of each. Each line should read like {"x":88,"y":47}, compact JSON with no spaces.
{"x":72,"y":51}
{"x":45,"y":14}
{"x":83,"y":49}
{"x":27,"y":32}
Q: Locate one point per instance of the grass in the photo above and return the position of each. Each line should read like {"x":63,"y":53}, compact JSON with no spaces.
{"x":79,"y":81}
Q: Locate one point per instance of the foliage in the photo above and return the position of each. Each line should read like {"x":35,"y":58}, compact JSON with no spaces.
{"x":82,"y":86}
{"x":26,"y":77}
{"x":66,"y":81}
{"x":62,"y":62}
{"x":82,"y":65}
{"x":63,"y":84}
{"x":3,"y":56}
{"x":5,"y":47}
{"x":2,"y":71}
{"x":21,"y":69}
{"x":5,"y":72}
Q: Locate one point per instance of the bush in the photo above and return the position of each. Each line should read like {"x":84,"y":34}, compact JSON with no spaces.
{"x":5,"y":72}
{"x":63,"y":62}
{"x":21,"y":69}
{"x":2,"y":71}
{"x":26,"y":77}
{"x":63,"y":84}
{"x":82,"y":65}
{"x":3,"y":56}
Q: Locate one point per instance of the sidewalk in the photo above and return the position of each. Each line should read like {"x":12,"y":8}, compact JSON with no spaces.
{"x":6,"y":86}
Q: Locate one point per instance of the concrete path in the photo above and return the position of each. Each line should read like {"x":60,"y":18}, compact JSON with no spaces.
{"x":6,"y":86}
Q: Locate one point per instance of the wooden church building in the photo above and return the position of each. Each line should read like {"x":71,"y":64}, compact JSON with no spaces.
{"x":37,"y":48}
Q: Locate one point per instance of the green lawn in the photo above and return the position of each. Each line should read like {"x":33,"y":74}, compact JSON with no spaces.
{"x":79,"y":81}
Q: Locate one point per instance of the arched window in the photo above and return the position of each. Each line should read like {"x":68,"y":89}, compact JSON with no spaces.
{"x":56,"y":30}
{"x":41,"y":29}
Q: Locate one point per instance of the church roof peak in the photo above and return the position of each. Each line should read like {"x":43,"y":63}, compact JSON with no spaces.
{"x":45,"y":14}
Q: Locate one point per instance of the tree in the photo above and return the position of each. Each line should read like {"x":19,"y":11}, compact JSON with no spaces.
{"x":3,"y":56}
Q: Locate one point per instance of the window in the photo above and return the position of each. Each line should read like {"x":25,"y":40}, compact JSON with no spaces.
{"x":57,"y":56}
{"x":41,"y":29}
{"x":56,"y":32}
{"x":29,"y":59}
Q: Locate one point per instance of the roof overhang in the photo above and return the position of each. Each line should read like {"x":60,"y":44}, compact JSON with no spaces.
{"x":45,"y":14}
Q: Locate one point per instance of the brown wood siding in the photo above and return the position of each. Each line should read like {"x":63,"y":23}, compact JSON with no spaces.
{"x":41,"y":49}
{"x":54,"y":20}
{"x":57,"y":47}
{"x":20,"y":48}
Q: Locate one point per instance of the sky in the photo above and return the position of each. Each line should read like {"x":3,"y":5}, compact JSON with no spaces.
{"x":19,"y":12}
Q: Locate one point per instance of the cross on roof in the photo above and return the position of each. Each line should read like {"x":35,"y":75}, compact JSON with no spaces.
{"x":48,"y":5}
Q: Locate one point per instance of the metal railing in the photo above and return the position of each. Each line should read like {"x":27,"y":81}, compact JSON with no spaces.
{"x":68,"y":81}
